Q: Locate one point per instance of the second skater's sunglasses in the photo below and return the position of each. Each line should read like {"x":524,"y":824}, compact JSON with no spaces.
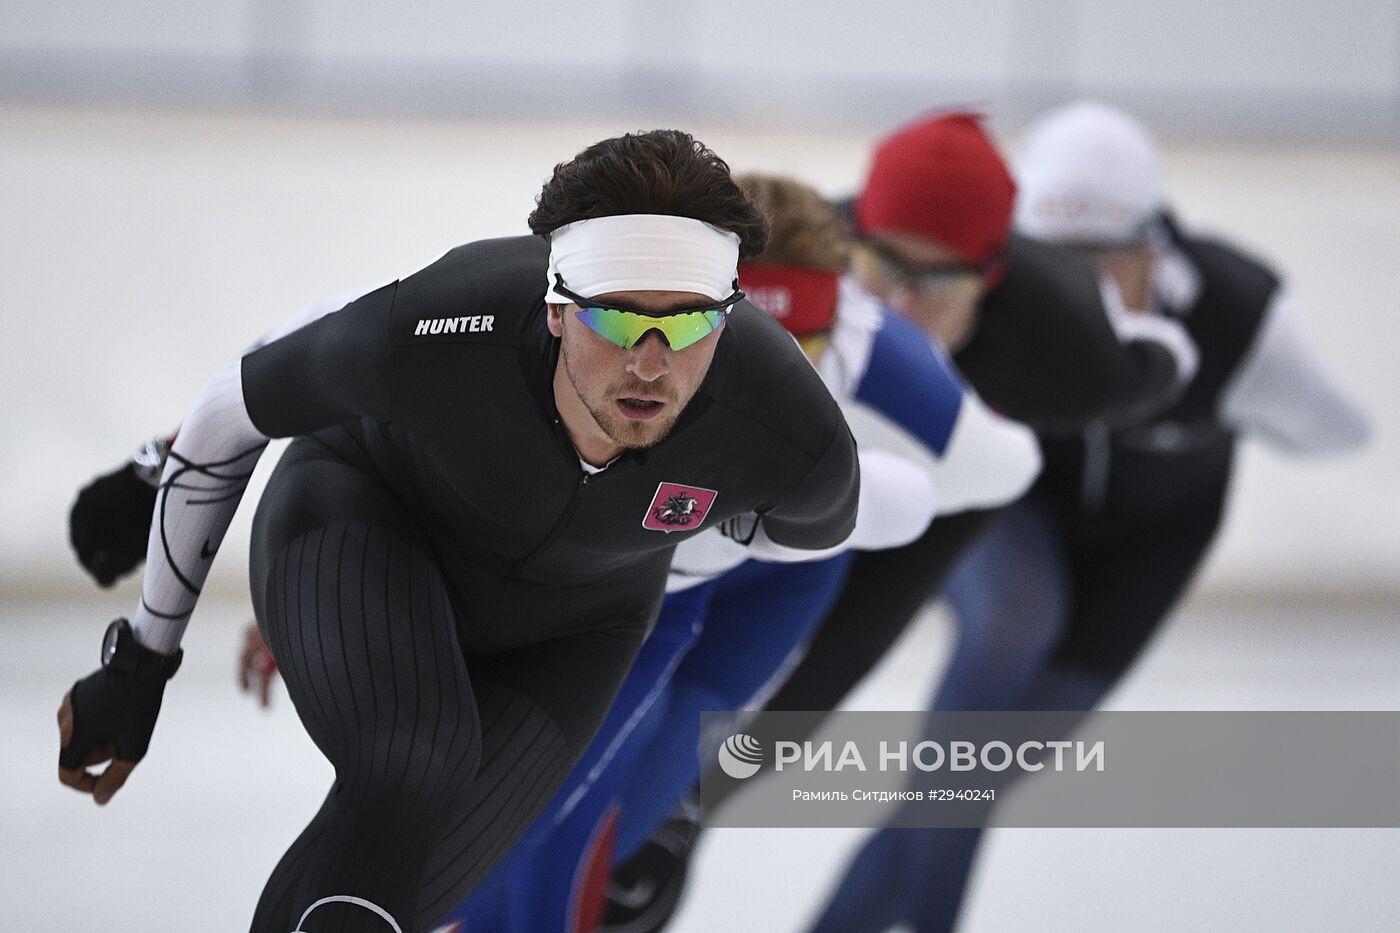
{"x":891,"y":270}
{"x":626,"y":326}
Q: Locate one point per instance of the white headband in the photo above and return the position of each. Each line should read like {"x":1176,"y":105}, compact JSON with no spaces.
{"x":642,"y":252}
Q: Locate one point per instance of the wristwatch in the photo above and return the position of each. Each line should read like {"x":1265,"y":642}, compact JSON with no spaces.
{"x":122,"y":652}
{"x":148,"y":462}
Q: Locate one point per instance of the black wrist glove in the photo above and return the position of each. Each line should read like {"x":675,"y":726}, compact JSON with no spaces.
{"x":110,"y":523}
{"x":113,"y":706}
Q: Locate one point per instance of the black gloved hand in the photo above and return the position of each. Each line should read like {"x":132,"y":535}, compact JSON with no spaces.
{"x":107,"y":715}
{"x":111,"y":714}
{"x":112,"y":708}
{"x":110,"y":523}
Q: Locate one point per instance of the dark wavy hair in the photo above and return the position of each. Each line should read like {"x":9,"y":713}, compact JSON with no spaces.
{"x":657,"y":172}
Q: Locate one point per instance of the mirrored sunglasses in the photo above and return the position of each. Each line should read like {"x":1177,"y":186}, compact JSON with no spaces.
{"x":626,"y":326}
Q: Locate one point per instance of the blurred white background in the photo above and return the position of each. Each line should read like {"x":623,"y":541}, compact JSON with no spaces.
{"x":175,"y":179}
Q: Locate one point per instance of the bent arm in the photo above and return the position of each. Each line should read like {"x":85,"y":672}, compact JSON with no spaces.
{"x":1056,"y":349}
{"x":819,"y":513}
{"x":151,"y":458}
{"x":1281,"y":393}
{"x":897,"y":494}
{"x":203,"y":481}
{"x":331,"y":370}
{"x":1147,"y":384}
{"x":895,"y":504}
{"x":305,"y":316}
{"x":990,"y":461}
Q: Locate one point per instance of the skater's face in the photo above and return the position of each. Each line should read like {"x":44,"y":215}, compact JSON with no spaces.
{"x":922,"y":280}
{"x":1131,"y":270}
{"x":611,"y":397}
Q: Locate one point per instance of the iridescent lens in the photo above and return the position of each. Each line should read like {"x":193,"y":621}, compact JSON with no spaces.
{"x":627,"y":328}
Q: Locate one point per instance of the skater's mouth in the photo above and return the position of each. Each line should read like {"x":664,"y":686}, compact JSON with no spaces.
{"x":640,"y":408}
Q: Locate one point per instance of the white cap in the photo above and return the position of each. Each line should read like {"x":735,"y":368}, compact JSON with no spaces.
{"x":1087,"y":173}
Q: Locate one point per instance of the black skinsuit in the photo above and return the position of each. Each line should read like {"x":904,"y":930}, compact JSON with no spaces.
{"x":451,"y":599}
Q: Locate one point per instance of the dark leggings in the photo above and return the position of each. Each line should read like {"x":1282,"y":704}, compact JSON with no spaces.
{"x":883,"y":593}
{"x":441,"y":759}
{"x":1050,"y":616}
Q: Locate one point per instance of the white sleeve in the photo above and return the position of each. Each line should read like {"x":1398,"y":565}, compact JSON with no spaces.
{"x":898,"y":500}
{"x":1140,"y":325}
{"x":208,"y":468}
{"x":705,"y":556}
{"x":899,"y":492}
{"x":1280,"y":393}
{"x":989,"y":460}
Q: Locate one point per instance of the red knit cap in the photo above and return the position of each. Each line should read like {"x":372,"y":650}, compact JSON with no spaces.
{"x":941,"y":178}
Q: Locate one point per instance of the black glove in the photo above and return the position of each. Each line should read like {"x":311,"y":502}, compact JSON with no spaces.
{"x":110,"y":523}
{"x":113,"y":706}
{"x":118,"y":703}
